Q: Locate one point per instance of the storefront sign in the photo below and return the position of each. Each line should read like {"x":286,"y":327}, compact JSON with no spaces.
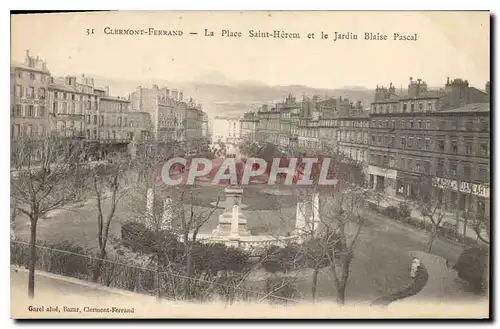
{"x":465,"y":187}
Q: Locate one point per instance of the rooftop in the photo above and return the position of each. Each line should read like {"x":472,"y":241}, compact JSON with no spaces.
{"x":475,"y":107}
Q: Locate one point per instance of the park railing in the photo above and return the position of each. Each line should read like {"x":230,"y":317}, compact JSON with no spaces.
{"x":144,"y":277}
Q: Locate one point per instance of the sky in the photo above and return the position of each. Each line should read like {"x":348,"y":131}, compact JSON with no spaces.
{"x":450,"y":44}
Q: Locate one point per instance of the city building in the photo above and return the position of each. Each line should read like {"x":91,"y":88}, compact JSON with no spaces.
{"x":226,"y":130}
{"x":166,"y":109}
{"x":441,"y":135}
{"x":205,"y":127}
{"x":249,"y":126}
{"x":29,"y":97}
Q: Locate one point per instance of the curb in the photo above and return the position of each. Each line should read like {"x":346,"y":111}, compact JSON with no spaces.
{"x":417,"y":285}
{"x":83,"y":283}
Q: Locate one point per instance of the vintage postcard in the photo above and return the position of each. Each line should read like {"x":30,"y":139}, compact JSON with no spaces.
{"x":255,"y":164}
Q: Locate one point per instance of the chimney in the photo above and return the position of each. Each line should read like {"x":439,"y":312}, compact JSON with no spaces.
{"x":27,"y":53}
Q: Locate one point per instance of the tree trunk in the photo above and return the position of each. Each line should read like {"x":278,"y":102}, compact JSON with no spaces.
{"x":315,"y":283}
{"x":341,"y":293}
{"x":432,"y":238}
{"x":100,"y":262}
{"x":189,"y":269}
{"x":465,"y":232}
{"x":32,"y":257}
{"x":341,"y":288}
{"x":158,"y":293}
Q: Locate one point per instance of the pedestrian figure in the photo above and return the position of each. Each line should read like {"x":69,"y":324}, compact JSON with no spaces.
{"x":414,"y":267}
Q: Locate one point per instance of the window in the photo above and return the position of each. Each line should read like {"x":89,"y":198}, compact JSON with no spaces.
{"x":410,"y":142}
{"x":468,"y":147}
{"x":441,"y":145}
{"x":417,"y":165}
{"x":466,"y":172}
{"x":411,"y":124}
{"x":404,"y":108}
{"x":120,"y":121}
{"x":101,"y":120}
{"x":88,"y":121}
{"x":428,"y":124}
{"x":469,"y":125}
{"x":94,"y":119}
{"x":19,"y":74}
{"x":393,"y":124}
{"x":427,"y":144}
{"x":393,"y":141}
{"x":483,"y":149}
{"x":32,"y":76}
{"x":379,"y":140}
{"x":41,"y":111}
{"x":18,"y":91}
{"x":403,"y":142}
{"x":73,"y":97}
{"x":18,"y":110}
{"x":64,"y":108}
{"x":440,"y":168}
{"x":386,"y":140}
{"x":454,"y":124}
{"x":403,"y":163}
{"x":409,"y":164}
{"x":412,"y":107}
{"x":420,"y":106}
{"x":64,"y":95}
{"x":30,"y":111}
{"x":418,"y":145}
{"x":453,"y":168}
{"x":454,"y":146}
{"x":55,"y":94}
{"x":31,"y":92}
{"x":427,"y":166}
{"x":419,"y":124}
{"x":482,"y":176}
{"x":483,"y":124}
{"x":429,"y":106}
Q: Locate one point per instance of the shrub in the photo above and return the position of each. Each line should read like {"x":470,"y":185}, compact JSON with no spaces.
{"x":64,"y":257}
{"x":70,"y":264}
{"x":137,"y":237}
{"x":280,"y":259}
{"x":404,"y":212}
{"x":212,"y":258}
{"x":391,"y":212}
{"x":472,"y":267}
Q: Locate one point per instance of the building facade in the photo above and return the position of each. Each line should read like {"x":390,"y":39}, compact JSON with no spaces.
{"x":226,"y":130}
{"x":29,"y":97}
{"x":442,"y":136}
{"x":249,"y":127}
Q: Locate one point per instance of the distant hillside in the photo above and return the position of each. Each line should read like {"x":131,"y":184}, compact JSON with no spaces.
{"x":235,"y":98}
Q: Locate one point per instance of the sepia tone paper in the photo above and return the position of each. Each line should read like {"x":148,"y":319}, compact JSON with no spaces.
{"x":190,"y":82}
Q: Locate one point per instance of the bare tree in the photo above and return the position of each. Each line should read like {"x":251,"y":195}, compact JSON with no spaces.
{"x":432,"y":205}
{"x":337,"y":221}
{"x":109,"y":179}
{"x":480,"y":223}
{"x":47,"y":174}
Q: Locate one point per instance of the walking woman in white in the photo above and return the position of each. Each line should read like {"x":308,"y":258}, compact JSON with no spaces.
{"x":414,"y":267}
